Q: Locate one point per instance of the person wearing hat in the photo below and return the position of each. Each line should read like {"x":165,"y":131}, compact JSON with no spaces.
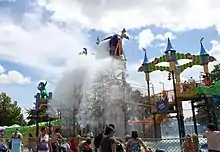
{"x":108,"y":143}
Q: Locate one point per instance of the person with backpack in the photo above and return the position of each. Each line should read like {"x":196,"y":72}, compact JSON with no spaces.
{"x":100,"y":136}
{"x":43,"y":142}
{"x":108,"y":143}
{"x":119,"y":146}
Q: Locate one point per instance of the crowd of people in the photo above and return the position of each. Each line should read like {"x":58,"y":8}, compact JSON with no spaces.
{"x":103,"y":142}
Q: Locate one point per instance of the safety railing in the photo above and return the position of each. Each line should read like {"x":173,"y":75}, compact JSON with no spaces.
{"x":177,"y":145}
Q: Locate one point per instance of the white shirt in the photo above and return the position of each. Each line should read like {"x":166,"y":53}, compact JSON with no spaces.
{"x":213,"y":139}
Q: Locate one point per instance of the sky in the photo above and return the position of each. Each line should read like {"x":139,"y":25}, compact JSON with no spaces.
{"x":40,"y":39}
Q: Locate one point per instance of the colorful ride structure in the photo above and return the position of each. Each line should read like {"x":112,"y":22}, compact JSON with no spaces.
{"x":115,"y":44}
{"x":162,"y":105}
{"x":42,"y":100}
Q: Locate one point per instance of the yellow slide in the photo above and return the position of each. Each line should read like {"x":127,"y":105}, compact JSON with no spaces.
{"x":150,"y":121}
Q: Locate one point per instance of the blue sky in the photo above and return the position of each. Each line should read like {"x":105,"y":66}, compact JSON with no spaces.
{"x":40,"y":39}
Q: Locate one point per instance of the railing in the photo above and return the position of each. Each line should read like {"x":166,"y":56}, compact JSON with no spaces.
{"x":174,"y":145}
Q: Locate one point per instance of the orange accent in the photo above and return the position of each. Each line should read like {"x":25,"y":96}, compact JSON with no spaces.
{"x":118,"y":48}
{"x":188,"y":145}
{"x":188,"y":87}
{"x":43,"y":105}
{"x":208,"y":82}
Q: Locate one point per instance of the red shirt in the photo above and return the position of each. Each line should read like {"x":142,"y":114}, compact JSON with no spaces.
{"x":74,"y":145}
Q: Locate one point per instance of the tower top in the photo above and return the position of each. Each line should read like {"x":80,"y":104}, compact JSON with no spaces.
{"x":202,"y":49}
{"x":145,"y":58}
{"x":169,"y":46}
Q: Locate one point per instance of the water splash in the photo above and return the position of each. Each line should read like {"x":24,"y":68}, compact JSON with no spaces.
{"x":93,"y":93}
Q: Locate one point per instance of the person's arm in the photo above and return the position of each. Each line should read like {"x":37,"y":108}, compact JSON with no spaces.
{"x":142,"y":143}
{"x":60,"y":136}
{"x":21,"y":137}
{"x":113,"y":146}
{"x":205,"y":134}
{"x":127,"y":145}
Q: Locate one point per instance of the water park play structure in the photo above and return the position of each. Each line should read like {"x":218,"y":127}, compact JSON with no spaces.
{"x":160,"y":105}
{"x":43,"y":97}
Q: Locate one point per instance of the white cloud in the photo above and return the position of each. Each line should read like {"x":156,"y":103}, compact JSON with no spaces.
{"x":12,"y":77}
{"x":164,"y":36}
{"x":42,"y":46}
{"x":2,"y":69}
{"x":108,"y":16}
{"x":146,"y":37}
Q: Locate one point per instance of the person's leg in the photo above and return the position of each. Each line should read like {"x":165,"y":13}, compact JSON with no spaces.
{"x":54,"y":147}
{"x":22,"y":147}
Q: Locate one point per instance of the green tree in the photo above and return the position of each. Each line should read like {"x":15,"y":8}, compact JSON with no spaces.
{"x":10,"y":112}
{"x":215,"y":74}
{"x":43,"y":116}
{"x":202,"y":112}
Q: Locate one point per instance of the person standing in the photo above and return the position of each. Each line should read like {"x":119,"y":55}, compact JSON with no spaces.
{"x":30,"y":142}
{"x":134,"y":144}
{"x":16,"y":141}
{"x":108,"y":143}
{"x":43,"y":145}
{"x":213,"y":138}
{"x":55,"y":138}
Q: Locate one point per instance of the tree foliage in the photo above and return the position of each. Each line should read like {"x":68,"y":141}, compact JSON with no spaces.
{"x":202,"y":112}
{"x":43,"y":115}
{"x":10,"y":112}
{"x":215,"y":74}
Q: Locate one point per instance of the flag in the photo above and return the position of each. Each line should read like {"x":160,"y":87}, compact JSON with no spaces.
{"x":144,"y":49}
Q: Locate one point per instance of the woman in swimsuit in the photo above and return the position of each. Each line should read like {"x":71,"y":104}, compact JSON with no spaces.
{"x":43,"y":145}
{"x":134,"y":144}
{"x":55,"y":137}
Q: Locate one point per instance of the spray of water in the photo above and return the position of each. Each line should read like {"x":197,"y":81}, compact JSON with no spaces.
{"x":92,"y":93}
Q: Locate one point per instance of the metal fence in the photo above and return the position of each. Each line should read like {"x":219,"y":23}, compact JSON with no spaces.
{"x":174,"y":144}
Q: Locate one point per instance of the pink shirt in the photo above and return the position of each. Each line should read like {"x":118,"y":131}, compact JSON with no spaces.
{"x":213,"y":139}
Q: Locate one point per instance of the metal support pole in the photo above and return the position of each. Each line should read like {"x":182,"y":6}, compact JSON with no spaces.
{"x":148,"y":93}
{"x":37,"y":122}
{"x":37,"y":114}
{"x":155,"y":126}
{"x":176,"y":105}
{"x":49,"y":126}
{"x":148,"y":90}
{"x":124,"y":102}
{"x":208,"y":110}
{"x":214,"y":114}
{"x":194,"y":117}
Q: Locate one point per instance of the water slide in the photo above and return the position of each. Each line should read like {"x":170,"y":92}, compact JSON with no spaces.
{"x":150,"y":121}
{"x":162,"y":106}
{"x":213,"y":90}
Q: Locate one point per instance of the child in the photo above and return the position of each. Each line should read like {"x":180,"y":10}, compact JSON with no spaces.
{"x":86,"y":147}
{"x":188,"y":145}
